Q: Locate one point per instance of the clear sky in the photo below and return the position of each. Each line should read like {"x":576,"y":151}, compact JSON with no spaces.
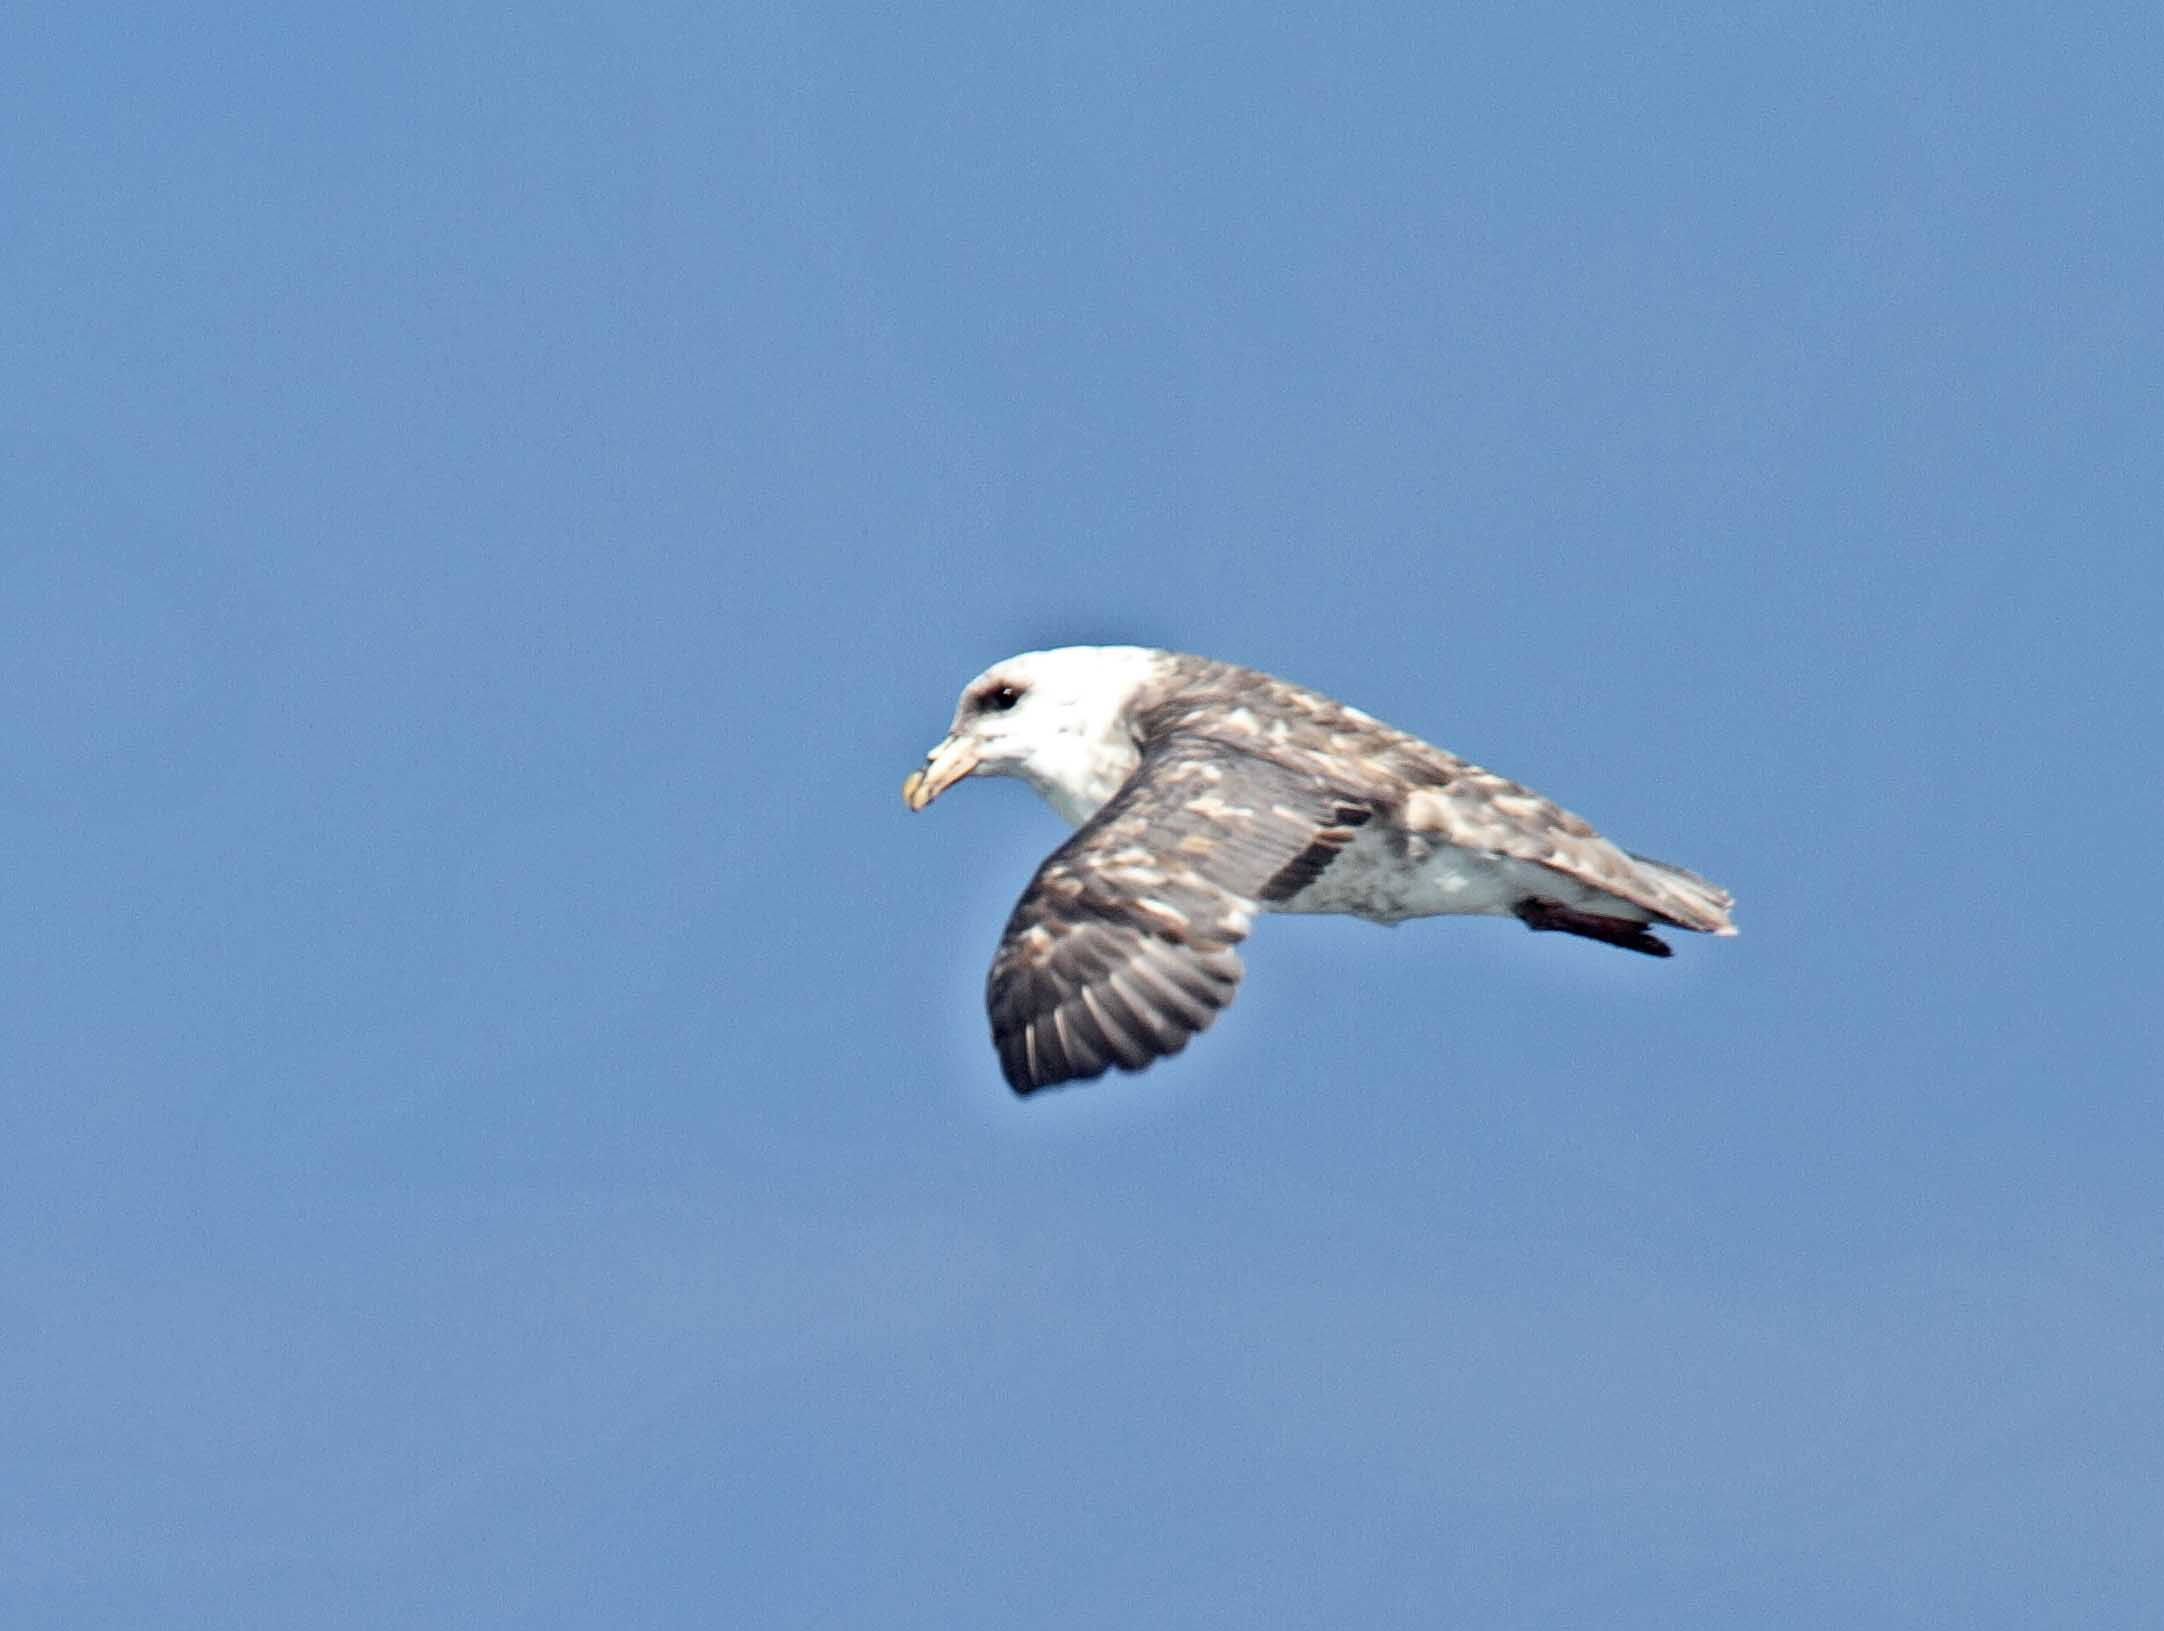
{"x":498,"y":1127}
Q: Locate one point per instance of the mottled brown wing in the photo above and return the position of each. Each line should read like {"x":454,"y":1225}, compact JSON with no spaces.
{"x":1430,"y":792}
{"x":1121,"y":948}
{"x":1479,"y":810}
{"x":1436,"y":796}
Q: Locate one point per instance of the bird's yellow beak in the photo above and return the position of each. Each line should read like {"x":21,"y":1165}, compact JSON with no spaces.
{"x":945,"y":765}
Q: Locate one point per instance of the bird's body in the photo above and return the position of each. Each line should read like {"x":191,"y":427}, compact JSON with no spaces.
{"x":1203,"y":793}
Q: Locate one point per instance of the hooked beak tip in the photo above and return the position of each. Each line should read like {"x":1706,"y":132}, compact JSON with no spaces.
{"x":945,"y":765}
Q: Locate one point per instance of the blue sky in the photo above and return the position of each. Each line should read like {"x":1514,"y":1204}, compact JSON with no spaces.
{"x":499,"y":1128}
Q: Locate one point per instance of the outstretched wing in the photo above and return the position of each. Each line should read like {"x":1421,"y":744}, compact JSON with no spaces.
{"x":1121,"y":947}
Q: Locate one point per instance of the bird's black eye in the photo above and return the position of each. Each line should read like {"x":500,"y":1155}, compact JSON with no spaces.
{"x":999,"y":699}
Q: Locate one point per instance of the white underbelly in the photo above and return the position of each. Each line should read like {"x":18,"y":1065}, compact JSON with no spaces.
{"x":1389,"y":878}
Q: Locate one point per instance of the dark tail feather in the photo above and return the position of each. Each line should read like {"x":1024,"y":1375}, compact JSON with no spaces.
{"x":1612,"y":931}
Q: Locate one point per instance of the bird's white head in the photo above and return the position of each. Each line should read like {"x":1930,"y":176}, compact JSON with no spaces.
{"x":1058,"y":719}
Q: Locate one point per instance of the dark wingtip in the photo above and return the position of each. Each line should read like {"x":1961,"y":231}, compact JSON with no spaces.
{"x":1053,"y":1067}
{"x":1023,"y":1084}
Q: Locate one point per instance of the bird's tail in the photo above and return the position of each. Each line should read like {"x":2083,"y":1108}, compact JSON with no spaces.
{"x":1687,"y":899}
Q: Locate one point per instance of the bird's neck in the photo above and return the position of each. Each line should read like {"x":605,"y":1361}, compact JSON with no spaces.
{"x":1076,"y":775}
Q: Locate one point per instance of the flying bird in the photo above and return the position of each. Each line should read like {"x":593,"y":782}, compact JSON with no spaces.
{"x":1203,"y":793}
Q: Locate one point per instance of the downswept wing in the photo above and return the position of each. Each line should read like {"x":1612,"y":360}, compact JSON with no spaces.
{"x":1121,"y":950}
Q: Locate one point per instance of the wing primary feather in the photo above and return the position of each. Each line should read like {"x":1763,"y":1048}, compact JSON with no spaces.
{"x":1165,"y":1033}
{"x":1100,"y":1001}
{"x":1171,"y":999}
{"x":1053,"y":1063}
{"x":1088,"y":1053}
